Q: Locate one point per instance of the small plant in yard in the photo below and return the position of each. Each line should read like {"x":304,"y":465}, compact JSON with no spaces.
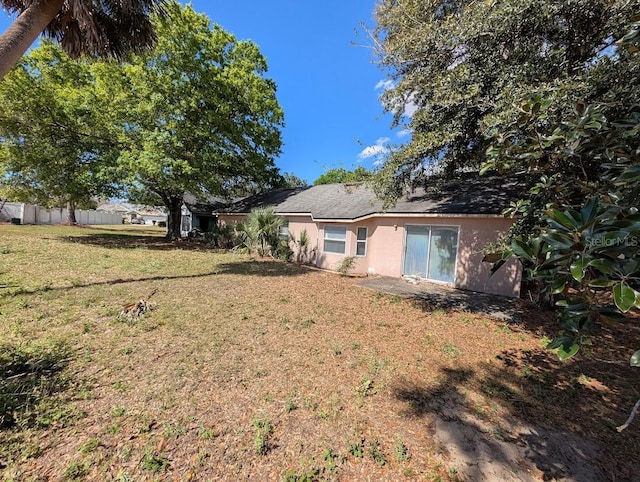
{"x":155,"y":462}
{"x":76,"y":470}
{"x":375,"y":452}
{"x":330,"y":459}
{"x":206,"y":433}
{"x":310,"y":475}
{"x":89,"y":446}
{"x":290,"y":405}
{"x":356,"y":448}
{"x":347,"y":265}
{"x":365,"y":388}
{"x":263,"y":430}
{"x":400,"y":450}
{"x":449,"y":349}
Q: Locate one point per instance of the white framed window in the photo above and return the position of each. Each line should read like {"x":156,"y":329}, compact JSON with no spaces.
{"x":335,"y":239}
{"x":361,"y":241}
{"x":284,"y":230}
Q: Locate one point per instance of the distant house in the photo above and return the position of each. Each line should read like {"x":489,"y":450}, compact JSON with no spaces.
{"x":130,"y":212}
{"x":435,"y":236}
{"x":199,"y":214}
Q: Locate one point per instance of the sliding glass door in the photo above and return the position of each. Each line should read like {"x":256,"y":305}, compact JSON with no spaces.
{"x":430,"y":252}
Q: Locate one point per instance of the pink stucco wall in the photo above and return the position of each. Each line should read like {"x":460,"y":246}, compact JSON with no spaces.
{"x":385,"y":248}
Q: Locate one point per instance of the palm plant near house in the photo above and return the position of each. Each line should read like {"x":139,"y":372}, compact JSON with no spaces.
{"x":260,"y":233}
{"x":105,"y":28}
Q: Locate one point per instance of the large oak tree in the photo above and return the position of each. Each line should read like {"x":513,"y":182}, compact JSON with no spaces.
{"x":464,"y":67}
{"x":197,"y":115}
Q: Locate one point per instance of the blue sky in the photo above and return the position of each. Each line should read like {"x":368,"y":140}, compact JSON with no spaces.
{"x":327,"y":86}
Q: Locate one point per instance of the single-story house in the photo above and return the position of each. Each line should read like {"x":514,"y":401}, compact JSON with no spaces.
{"x":148,"y":214}
{"x":199,"y":214}
{"x":436,"y":236}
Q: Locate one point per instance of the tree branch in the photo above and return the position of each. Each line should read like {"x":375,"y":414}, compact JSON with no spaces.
{"x":631,"y":417}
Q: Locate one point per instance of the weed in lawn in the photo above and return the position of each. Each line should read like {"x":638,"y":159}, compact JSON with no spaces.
{"x":174,"y":430}
{"x":76,"y":470}
{"x":310,"y":475}
{"x":375,"y":452}
{"x":89,"y":446}
{"x":306,"y":323}
{"x":356,"y":448}
{"x":375,"y":366}
{"x":263,"y":430}
{"x":119,"y":385}
{"x":289,"y":405}
{"x":155,"y":462}
{"x":400,"y":450}
{"x":336,"y":349}
{"x":118,"y":411}
{"x":365,"y":388}
{"x":114,"y":428}
{"x":206,"y":433}
{"x":126,"y":452}
{"x":124,"y":477}
{"x":30,"y":450}
{"x":201,"y":458}
{"x":449,"y":349}
{"x":330,"y":460}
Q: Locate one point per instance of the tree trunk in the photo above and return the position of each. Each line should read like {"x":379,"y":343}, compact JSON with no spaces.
{"x":71,"y":213}
{"x":24,"y":31}
{"x":174,"y":218}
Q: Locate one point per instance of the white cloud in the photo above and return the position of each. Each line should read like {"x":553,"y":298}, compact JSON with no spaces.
{"x":375,"y":150}
{"x":404,"y":133}
{"x":410,"y":108}
{"x":384,"y":85}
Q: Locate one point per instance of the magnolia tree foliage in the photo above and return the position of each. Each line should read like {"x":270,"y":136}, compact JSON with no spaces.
{"x":196,"y":114}
{"x":579,"y":235}
{"x":547,"y":90}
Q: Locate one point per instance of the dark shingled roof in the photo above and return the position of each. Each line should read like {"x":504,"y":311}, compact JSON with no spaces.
{"x":487,"y":195}
{"x":201,"y":208}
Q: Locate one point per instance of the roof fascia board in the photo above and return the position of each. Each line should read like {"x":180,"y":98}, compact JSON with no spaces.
{"x":380,"y":215}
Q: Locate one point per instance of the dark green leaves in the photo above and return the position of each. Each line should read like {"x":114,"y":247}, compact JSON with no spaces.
{"x":635,"y":359}
{"x":624,"y":296}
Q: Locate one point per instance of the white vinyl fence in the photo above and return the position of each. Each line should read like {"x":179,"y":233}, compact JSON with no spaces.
{"x":30,"y":214}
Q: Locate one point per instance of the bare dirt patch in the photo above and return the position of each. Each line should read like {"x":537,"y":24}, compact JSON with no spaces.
{"x":259,"y":369}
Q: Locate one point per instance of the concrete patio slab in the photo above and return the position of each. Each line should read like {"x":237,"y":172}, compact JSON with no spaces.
{"x":442,"y":297}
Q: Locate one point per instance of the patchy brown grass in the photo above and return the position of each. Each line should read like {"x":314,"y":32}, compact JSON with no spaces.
{"x":249,"y":368}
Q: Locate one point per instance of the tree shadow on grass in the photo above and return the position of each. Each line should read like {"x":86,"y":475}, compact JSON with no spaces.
{"x":30,"y":376}
{"x":116,"y":281}
{"x":262,"y":267}
{"x":557,"y":418}
{"x":120,"y":240}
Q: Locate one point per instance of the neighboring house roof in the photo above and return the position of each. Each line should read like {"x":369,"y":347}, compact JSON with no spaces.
{"x":203,"y":207}
{"x":128,"y":208}
{"x":487,"y":195}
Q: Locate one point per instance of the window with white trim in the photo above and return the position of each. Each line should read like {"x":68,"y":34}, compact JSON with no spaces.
{"x":361,"y":242}
{"x":335,"y":239}
{"x":284,"y":230}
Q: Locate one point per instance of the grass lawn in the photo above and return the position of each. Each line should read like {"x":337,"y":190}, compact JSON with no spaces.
{"x":250,"y":368}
